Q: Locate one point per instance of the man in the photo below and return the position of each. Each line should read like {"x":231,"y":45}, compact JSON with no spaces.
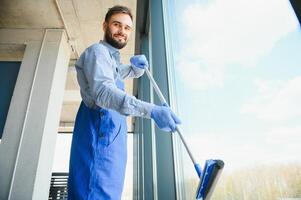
{"x":99,"y":149}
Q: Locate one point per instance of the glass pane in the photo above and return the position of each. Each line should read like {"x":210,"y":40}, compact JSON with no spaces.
{"x":9,"y":73}
{"x":62,"y":153}
{"x":236,"y":80}
{"x":128,"y":182}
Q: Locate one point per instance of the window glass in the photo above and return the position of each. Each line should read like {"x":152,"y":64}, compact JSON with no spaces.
{"x":236,"y":80}
{"x":9,"y":73}
{"x":62,"y":153}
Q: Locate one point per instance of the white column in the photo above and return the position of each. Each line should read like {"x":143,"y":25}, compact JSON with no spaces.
{"x":32,"y":172}
{"x":20,"y":40}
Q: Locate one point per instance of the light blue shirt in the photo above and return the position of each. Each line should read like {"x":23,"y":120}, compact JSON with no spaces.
{"x":97,"y":70}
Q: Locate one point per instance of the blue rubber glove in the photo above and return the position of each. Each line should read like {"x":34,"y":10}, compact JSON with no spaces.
{"x":164,"y":118}
{"x":139,"y":61}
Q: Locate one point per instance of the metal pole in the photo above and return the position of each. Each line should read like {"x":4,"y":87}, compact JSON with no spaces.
{"x":163,"y":101}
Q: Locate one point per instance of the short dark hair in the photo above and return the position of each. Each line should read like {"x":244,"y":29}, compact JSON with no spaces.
{"x":118,"y":9}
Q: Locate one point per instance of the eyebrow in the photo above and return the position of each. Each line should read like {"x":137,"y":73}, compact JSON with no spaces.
{"x":120,"y":23}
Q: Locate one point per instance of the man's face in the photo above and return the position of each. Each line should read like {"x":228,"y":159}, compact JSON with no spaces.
{"x":118,"y":30}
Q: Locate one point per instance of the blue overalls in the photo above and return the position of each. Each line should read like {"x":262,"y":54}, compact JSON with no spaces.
{"x":98,"y":154}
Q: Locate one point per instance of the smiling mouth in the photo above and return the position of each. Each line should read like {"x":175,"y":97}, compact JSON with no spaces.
{"x":119,"y":37}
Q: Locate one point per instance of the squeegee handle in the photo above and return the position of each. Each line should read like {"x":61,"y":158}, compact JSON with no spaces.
{"x":163,"y":101}
{"x":155,"y":86}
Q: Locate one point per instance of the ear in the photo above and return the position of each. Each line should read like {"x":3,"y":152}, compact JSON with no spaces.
{"x":104,"y":26}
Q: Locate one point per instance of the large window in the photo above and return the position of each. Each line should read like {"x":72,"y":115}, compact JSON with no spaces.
{"x":235,"y":78}
{"x":9,"y":73}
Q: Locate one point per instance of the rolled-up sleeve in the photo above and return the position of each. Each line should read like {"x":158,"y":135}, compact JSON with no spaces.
{"x":129,"y":71}
{"x":98,"y":69}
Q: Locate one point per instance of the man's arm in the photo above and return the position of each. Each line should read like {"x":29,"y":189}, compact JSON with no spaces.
{"x":130,"y":71}
{"x":136,"y":69}
{"x":98,"y":69}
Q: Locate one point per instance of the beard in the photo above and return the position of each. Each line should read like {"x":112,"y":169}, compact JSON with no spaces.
{"x":113,"y":42}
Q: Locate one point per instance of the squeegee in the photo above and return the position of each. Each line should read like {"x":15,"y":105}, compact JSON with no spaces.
{"x":212,"y":169}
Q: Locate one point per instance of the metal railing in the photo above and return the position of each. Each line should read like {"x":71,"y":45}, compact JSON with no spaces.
{"x":58,"y":186}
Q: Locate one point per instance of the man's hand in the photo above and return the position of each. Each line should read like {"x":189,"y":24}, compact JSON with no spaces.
{"x":164,"y":118}
{"x":139,"y":61}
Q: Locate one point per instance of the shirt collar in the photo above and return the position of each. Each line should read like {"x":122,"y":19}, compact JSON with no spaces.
{"x":113,"y":51}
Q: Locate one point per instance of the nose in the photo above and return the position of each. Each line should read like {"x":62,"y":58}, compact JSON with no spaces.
{"x":122,"y":30}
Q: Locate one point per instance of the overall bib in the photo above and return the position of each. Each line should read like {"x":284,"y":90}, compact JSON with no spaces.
{"x":98,"y":154}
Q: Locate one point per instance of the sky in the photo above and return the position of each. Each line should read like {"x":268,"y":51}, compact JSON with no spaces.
{"x":238,"y":80}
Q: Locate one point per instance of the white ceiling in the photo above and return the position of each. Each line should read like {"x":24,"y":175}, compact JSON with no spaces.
{"x":83,"y":23}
